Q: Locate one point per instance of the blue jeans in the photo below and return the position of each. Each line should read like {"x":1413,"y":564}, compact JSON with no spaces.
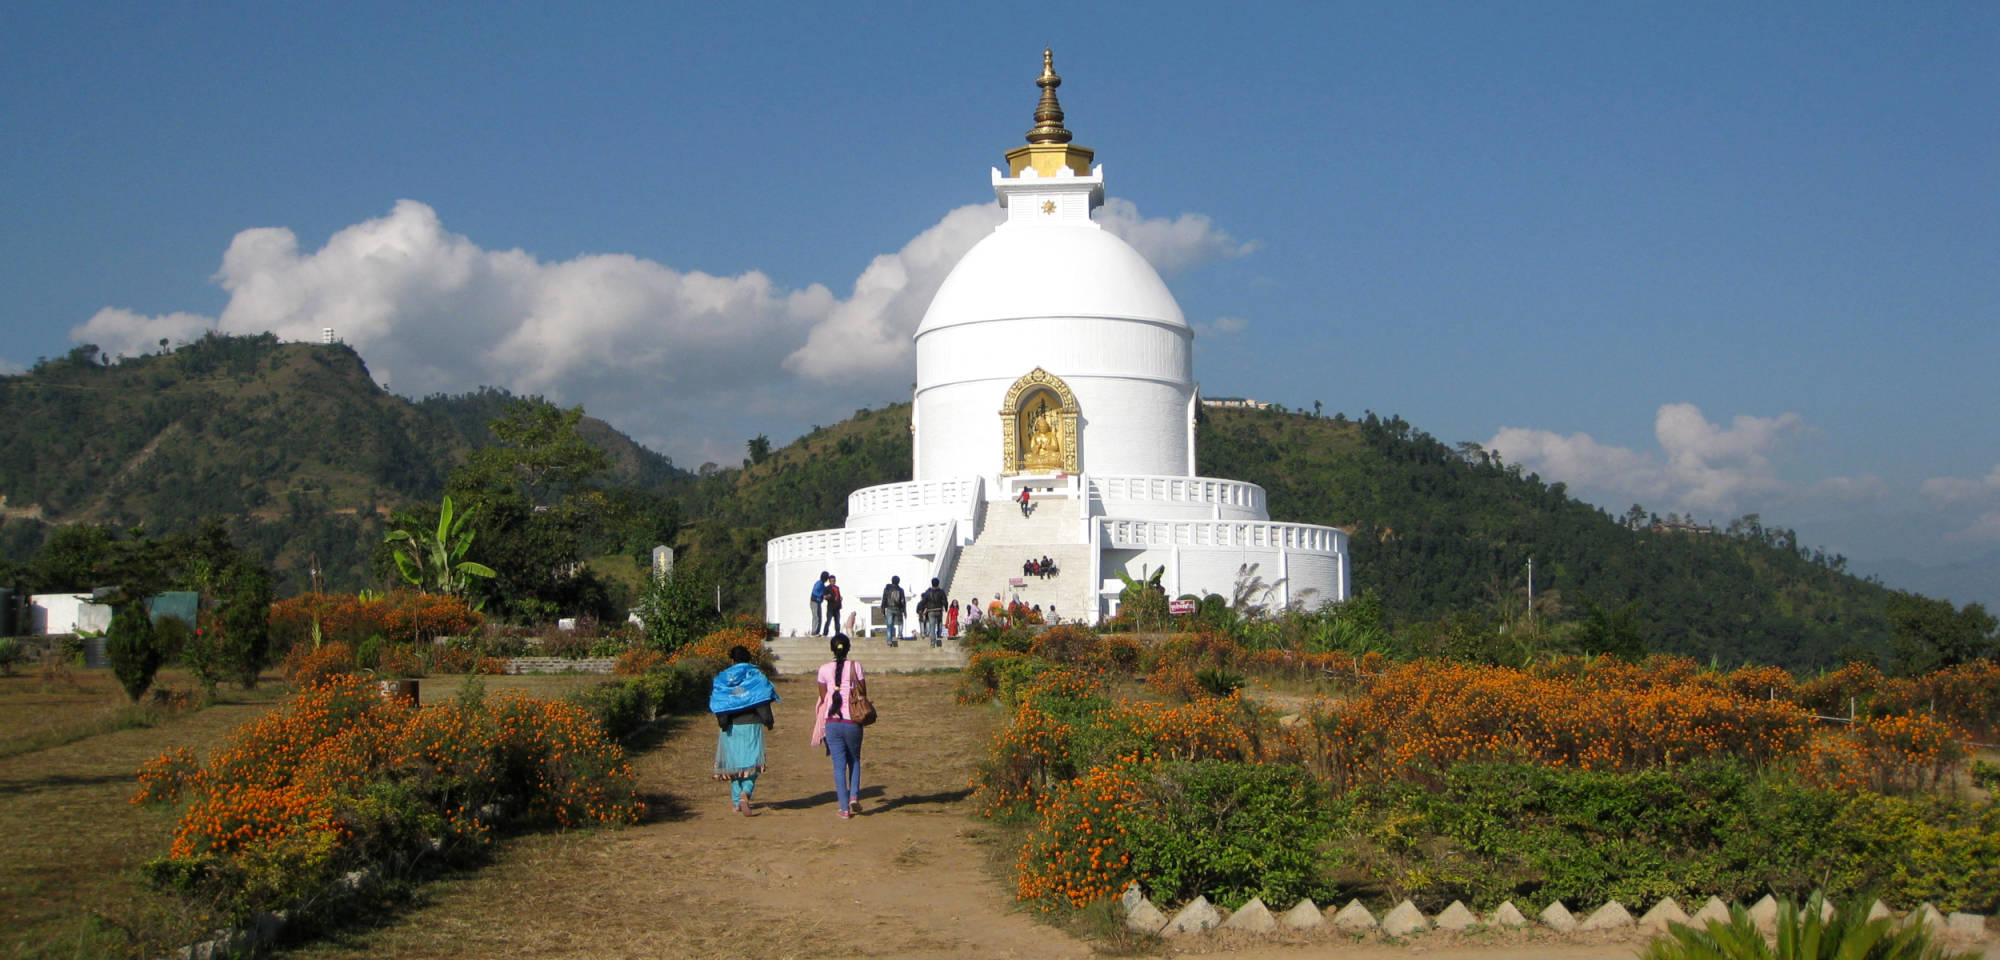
{"x":895,"y":620}
{"x":934,"y":627}
{"x":843,"y":743}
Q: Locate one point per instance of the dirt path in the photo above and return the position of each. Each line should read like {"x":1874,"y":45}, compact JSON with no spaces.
{"x":908,"y":878}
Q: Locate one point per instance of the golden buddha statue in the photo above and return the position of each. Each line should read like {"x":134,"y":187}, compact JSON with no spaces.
{"x":1043,"y":449}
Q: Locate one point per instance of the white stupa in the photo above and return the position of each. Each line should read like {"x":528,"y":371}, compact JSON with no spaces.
{"x":1054,"y":359}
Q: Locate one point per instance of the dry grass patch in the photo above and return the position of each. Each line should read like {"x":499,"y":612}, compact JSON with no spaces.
{"x":69,"y":882}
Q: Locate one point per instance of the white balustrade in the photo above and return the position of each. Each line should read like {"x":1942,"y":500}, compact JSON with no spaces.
{"x":936,"y":495}
{"x":1221,"y":534}
{"x":915,"y":539}
{"x":1206,"y":491}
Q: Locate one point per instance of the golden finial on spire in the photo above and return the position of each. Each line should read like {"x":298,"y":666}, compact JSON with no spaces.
{"x":1048,"y":113}
{"x":1048,"y":148}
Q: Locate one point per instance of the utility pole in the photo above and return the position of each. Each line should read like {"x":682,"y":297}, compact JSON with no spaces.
{"x":1531,"y":590}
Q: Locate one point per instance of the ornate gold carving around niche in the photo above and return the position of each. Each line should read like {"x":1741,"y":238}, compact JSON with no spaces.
{"x":1038,"y":426}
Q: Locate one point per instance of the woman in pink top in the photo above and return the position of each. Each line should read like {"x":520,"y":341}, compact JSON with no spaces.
{"x":835,"y":726}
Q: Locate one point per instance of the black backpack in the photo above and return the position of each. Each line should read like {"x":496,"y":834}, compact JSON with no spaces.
{"x":893,"y":598}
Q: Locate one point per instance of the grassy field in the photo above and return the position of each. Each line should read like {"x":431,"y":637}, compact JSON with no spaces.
{"x":69,"y":747}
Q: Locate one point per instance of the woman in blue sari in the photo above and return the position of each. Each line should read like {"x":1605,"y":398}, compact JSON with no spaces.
{"x":741,"y":701}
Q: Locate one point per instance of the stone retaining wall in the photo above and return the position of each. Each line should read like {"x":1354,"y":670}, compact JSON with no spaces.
{"x":560,"y":665}
{"x":1405,"y":920}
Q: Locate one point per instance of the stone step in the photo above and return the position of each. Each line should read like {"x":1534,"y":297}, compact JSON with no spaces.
{"x":795,"y":655}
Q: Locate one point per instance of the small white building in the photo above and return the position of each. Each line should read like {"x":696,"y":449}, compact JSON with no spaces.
{"x":1054,"y":360}
{"x":51,"y":614}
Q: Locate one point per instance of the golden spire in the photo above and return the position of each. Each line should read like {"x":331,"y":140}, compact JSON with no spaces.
{"x":1048,"y":113}
{"x":1049,"y":149}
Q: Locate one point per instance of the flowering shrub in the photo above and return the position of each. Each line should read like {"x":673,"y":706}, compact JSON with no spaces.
{"x":305,"y":667}
{"x":1177,"y":663}
{"x":1897,"y":753}
{"x":400,"y":615}
{"x":1577,"y":777}
{"x":1079,"y":850}
{"x":638,"y":660}
{"x":400,"y":660}
{"x":338,"y":777}
{"x":715,"y":646}
{"x":1431,"y":714}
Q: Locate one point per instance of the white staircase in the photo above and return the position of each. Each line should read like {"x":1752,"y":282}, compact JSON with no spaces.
{"x":1006,"y":538}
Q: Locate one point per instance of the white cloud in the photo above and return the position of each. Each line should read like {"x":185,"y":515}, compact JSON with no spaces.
{"x":1973,"y":505}
{"x":688,"y":362}
{"x":867,"y":336}
{"x":1188,"y":240}
{"x":1701,"y":466}
{"x":118,"y":331}
{"x":1223,"y":326}
{"x":9,"y":368}
{"x":1963,"y":491}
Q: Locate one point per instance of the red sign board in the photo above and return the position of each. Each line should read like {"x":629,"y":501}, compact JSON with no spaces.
{"x":1180,"y":608}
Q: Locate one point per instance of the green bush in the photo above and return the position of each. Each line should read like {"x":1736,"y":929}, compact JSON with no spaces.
{"x":1232,"y":831}
{"x":1483,"y":833}
{"x":995,"y":633}
{"x":203,"y":656}
{"x":133,"y":649}
{"x":1986,"y":776}
{"x":620,"y":707}
{"x":10,"y":654}
{"x":998,"y":674}
{"x":369,"y":654}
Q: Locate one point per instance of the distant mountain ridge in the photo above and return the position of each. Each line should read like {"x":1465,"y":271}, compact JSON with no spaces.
{"x":293,"y":444}
{"x":1967,"y":581}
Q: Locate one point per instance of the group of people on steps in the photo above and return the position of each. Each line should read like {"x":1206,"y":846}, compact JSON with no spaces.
{"x":938,"y":616}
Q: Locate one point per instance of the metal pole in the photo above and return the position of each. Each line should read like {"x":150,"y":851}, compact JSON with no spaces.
{"x":1531,"y":589}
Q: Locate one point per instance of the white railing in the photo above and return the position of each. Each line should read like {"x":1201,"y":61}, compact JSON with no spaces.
{"x":937,"y":495}
{"x":947,"y":555}
{"x":1221,"y":534}
{"x":1206,"y":491}
{"x":919,"y":538}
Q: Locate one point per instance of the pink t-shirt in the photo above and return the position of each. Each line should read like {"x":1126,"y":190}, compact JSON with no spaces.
{"x":849,"y":676}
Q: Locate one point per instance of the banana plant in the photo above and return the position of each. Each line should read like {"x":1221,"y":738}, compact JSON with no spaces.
{"x":438,"y":560}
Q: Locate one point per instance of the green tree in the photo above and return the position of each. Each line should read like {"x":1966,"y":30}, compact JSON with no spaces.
{"x":132,"y":648}
{"x":1927,"y":633}
{"x":760,"y":449}
{"x":675,"y":610}
{"x":437,"y":559}
{"x":1616,"y":631}
{"x":244,"y":613}
{"x":542,"y":513}
{"x":541,"y":457}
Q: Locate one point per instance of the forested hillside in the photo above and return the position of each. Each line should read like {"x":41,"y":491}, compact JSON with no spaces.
{"x":1439,"y":529}
{"x":299,"y":452}
{"x":293,"y":446}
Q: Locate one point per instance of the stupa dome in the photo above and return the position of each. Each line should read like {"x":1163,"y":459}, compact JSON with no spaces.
{"x":1023,"y":270}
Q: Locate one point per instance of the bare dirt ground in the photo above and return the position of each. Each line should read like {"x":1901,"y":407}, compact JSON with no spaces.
{"x":916,"y":875}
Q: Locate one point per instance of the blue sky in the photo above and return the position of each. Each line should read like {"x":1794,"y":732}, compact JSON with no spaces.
{"x":1717,"y":259}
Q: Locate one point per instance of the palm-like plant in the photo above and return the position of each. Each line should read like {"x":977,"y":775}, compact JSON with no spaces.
{"x":437,"y":560}
{"x":1802,"y":935}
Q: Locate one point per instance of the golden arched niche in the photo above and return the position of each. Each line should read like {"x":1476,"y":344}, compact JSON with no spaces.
{"x":1038,"y":426}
